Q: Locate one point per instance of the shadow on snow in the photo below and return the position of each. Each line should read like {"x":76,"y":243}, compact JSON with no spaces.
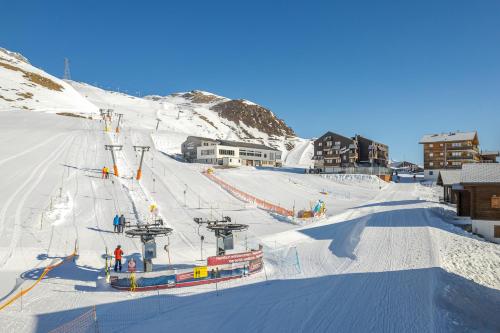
{"x":396,"y":301}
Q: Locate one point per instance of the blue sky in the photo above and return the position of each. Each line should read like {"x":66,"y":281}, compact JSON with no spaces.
{"x":389,"y":70}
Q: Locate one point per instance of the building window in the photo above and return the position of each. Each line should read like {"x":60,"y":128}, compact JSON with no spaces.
{"x":431,"y":145}
{"x":456,"y":163}
{"x":431,"y":173}
{"x":456,"y":153}
{"x":329,"y":144}
{"x":440,"y":145}
{"x":431,"y":164}
{"x":431,"y":155}
{"x":441,"y":154}
{"x":496,"y":231}
{"x":456,"y":144}
{"x":243,"y":152}
{"x":226,"y":152}
{"x":205,"y":152}
{"x":320,"y":144}
{"x":495,"y":202}
{"x":319,"y":152}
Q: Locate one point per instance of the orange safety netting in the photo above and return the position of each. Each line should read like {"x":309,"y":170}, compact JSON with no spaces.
{"x":249,"y":198}
{"x":27,"y":290}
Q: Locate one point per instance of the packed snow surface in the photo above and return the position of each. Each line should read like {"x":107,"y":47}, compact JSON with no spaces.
{"x":386,"y":257}
{"x":383,"y":259}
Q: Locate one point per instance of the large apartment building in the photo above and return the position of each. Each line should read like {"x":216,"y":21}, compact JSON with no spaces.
{"x":332,"y":151}
{"x":449,"y":151}
{"x":229,"y":153}
{"x":369,"y":150}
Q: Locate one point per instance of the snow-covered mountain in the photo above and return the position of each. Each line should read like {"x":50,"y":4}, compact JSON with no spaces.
{"x":197,"y":113}
{"x":200,"y":113}
{"x":23,"y":86}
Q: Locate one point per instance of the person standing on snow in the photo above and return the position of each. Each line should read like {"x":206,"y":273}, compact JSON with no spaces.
{"x":103,"y":172}
{"x":116,"y":223}
{"x":122,"y":223}
{"x":118,"y":258}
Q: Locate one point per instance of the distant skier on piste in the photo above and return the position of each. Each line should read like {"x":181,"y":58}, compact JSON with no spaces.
{"x":116,"y":223}
{"x":122,"y":223}
{"x":118,"y":258}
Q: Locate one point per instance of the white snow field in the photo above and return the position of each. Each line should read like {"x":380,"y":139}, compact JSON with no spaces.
{"x":385,"y":258}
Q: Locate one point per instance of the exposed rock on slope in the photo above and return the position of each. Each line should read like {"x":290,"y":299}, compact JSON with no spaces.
{"x":253,"y":115}
{"x":23,"y":86}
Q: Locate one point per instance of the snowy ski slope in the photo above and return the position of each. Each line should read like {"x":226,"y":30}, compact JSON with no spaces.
{"x":384,"y":259}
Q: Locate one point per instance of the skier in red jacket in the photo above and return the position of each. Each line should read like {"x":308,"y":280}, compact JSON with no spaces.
{"x":118,"y":258}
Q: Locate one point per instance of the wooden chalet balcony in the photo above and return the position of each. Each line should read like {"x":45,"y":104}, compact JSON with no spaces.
{"x":463,"y":147}
{"x":455,"y":158}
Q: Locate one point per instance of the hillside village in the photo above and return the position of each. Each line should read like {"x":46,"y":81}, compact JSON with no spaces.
{"x":194,"y":203}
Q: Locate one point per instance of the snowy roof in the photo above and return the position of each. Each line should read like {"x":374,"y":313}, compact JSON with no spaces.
{"x":449,"y":177}
{"x":452,"y":136}
{"x":489,"y":152}
{"x":233,"y":143}
{"x":245,"y":145}
{"x":480,"y":173}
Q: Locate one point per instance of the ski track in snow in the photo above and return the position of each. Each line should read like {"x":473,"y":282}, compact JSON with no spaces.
{"x":373,"y":265}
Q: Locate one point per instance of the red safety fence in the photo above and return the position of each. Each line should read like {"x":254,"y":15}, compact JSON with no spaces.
{"x":249,"y":198}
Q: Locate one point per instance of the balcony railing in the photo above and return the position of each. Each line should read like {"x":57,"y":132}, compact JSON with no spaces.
{"x":463,"y":147}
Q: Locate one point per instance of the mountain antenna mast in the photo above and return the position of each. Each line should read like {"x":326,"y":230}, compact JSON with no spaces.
{"x":67,"y":73}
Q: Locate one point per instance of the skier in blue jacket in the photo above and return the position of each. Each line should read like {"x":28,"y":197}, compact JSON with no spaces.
{"x":116,"y":223}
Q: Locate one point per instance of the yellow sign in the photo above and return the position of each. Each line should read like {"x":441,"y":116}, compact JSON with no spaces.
{"x":200,"y":272}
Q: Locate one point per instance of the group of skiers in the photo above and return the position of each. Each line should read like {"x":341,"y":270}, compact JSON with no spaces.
{"x":105,"y":172}
{"x":131,"y":265}
{"x":119,"y":224}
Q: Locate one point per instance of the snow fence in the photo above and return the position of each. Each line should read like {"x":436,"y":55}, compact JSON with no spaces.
{"x":47,"y":269}
{"x":249,"y":198}
{"x":85,"y":323}
{"x":281,"y":262}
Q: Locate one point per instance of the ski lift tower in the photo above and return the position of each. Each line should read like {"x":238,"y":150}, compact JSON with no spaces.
{"x":112,"y":149}
{"x":120,"y":115}
{"x":110,"y":113}
{"x":223,"y":230}
{"x":147,"y":233}
{"x":143,"y":149}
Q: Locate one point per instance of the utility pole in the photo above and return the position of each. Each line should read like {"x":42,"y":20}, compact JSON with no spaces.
{"x":120,"y":115}
{"x":67,"y":73}
{"x":202,"y":238}
{"x":112,"y":149}
{"x":142,"y":149}
{"x":158,"y":120}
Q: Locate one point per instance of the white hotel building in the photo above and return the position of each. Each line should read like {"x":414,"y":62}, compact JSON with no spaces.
{"x":229,"y":153}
